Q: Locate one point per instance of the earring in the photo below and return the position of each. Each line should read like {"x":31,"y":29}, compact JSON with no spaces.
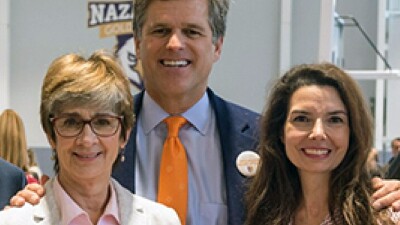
{"x":122,"y":155}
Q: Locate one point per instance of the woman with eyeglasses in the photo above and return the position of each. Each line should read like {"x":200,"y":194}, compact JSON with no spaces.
{"x":87,"y":114}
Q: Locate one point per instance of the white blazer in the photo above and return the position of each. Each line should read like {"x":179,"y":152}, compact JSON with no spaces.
{"x":133,"y":210}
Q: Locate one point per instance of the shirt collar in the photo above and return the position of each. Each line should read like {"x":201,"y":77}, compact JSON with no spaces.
{"x":70,"y":210}
{"x":112,"y":208}
{"x":198,"y":115}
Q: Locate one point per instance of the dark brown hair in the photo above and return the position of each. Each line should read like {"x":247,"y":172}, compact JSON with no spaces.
{"x":275,"y":192}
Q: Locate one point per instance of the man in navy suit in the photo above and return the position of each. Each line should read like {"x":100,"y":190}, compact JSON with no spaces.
{"x":12,"y":179}
{"x":177,"y":51}
{"x":237,"y":129}
{"x":177,"y":43}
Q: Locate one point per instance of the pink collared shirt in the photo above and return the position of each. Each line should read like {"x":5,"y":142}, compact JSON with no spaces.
{"x":72,"y":214}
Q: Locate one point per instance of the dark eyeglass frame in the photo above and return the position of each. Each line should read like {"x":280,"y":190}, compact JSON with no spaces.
{"x":84,"y":122}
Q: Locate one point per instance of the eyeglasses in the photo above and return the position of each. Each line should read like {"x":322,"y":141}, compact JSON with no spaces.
{"x":72,"y":126}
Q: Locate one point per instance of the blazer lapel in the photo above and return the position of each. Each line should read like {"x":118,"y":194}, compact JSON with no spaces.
{"x":130,"y":212}
{"x":47,"y":212}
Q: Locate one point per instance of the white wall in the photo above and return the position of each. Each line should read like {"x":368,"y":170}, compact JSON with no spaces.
{"x":4,"y":55}
{"x":305,"y":31}
{"x":250,"y":56}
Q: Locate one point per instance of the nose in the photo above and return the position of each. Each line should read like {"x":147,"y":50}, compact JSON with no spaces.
{"x":318,"y":131}
{"x":87,"y":136}
{"x":175,"y":41}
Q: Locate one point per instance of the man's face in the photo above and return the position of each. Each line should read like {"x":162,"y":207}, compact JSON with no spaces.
{"x":395,"y":147}
{"x":176,"y":49}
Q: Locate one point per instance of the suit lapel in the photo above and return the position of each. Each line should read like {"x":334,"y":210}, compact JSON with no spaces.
{"x":235,"y":137}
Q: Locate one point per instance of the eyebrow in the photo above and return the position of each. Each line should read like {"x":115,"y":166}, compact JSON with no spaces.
{"x":299,"y":111}
{"x":338,"y":112}
{"x":195,"y":26}
{"x":79,"y":115}
{"x":70,"y":114}
{"x":185,"y":26}
{"x":158,"y":25}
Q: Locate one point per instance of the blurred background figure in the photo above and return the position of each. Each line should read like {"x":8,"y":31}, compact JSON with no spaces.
{"x":393,"y":167}
{"x":395,"y":144}
{"x":34,"y":168}
{"x":13,"y":146}
{"x":372,"y":164}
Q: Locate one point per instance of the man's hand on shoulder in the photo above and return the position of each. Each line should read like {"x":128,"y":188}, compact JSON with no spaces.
{"x":32,"y":193}
{"x":387,"y":194}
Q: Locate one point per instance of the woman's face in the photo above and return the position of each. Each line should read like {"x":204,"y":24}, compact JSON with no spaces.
{"x":316,"y":132}
{"x":86,"y":155}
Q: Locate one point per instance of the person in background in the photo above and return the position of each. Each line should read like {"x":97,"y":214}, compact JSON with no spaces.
{"x":13,"y":146}
{"x":316,"y":136}
{"x":12,"y":180}
{"x":393,"y":166}
{"x":177,"y":43}
{"x":395,"y":145}
{"x":372,"y":164}
{"x":86,"y":112}
{"x":34,"y":168}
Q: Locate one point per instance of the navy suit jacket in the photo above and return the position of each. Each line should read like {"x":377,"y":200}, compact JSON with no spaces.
{"x":238,"y":130}
{"x":393,"y":170}
{"x":12,"y":179}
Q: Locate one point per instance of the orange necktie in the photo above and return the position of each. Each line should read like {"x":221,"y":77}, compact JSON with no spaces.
{"x":173,"y":180}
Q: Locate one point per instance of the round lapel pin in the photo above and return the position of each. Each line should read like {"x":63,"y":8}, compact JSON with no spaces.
{"x":247,"y":163}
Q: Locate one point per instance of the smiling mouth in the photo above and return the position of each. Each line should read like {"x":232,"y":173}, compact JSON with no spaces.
{"x":317,"y":152}
{"x":87,"y":156}
{"x":175,"y":63}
